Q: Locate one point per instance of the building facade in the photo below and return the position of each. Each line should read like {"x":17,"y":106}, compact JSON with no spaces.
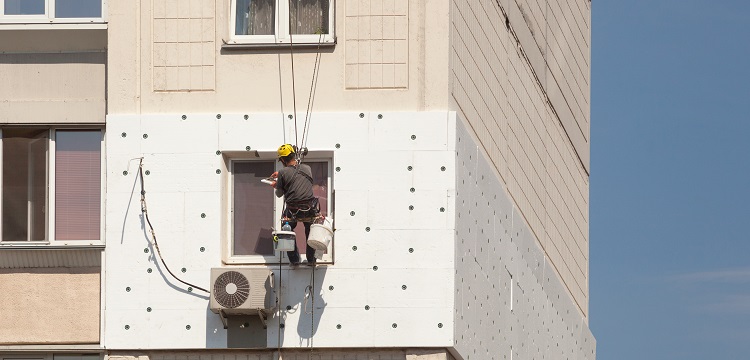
{"x":449,"y":141}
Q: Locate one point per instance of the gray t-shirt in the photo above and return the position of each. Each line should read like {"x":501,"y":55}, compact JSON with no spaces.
{"x":295,"y":186}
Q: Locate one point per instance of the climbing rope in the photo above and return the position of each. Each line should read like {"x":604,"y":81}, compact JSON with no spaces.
{"x":291,"y":57}
{"x":279,"y":305}
{"x":313,"y":91}
{"x":310,"y":297}
{"x":310,"y":289}
{"x":312,"y":313}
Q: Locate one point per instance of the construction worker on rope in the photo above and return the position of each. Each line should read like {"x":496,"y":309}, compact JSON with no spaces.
{"x":295,"y":183}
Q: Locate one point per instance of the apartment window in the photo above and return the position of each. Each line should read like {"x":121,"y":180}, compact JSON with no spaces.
{"x":282,"y":21}
{"x":51,"y":185}
{"x":37,"y":11}
{"x":256,"y":212}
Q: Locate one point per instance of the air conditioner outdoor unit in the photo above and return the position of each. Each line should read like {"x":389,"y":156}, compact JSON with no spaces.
{"x":241,"y":291}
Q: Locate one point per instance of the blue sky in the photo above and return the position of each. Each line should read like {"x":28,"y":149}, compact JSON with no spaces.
{"x":670,"y":179}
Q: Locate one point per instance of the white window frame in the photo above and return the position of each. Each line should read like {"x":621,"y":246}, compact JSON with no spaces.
{"x":281,"y":32}
{"x":229,"y":257}
{"x":50,"y":201}
{"x":49,"y":16}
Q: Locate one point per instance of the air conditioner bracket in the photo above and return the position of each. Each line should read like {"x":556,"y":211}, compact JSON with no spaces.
{"x":224,"y":320}
{"x":262,"y":317}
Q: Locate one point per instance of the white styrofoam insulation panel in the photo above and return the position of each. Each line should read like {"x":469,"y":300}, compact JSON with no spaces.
{"x":494,"y":243}
{"x":381,"y":157}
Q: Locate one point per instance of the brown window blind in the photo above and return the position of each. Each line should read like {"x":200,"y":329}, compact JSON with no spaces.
{"x":253,"y":208}
{"x":78,"y":185}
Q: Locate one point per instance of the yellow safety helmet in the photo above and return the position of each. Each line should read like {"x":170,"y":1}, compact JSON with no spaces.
{"x":285,"y":150}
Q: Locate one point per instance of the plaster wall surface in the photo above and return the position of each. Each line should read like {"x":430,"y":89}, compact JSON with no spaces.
{"x":509,"y":300}
{"x":523,"y":89}
{"x":51,"y":77}
{"x":169,"y":57}
{"x":391,"y":281}
{"x":50,"y":306}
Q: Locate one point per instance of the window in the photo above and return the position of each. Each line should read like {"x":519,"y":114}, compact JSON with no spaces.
{"x":43,"y":11}
{"x":282,"y":21}
{"x":51,"y":186}
{"x":256,"y":211}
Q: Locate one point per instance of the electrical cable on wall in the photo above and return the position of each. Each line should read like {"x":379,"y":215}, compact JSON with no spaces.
{"x":144,"y":211}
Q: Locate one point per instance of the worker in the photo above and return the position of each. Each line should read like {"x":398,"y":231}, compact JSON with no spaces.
{"x":295,"y":183}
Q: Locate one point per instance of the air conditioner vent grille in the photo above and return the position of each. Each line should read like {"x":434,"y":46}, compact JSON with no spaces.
{"x":231,"y":289}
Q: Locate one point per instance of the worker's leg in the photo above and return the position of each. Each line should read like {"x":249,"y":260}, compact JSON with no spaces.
{"x":293,"y":255}
{"x":309,"y":252}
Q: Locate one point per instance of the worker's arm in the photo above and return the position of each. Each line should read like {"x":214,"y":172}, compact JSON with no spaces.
{"x":279,"y":185}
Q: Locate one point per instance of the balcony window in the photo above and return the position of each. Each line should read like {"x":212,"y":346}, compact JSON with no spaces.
{"x":51,"y":186}
{"x":256,"y":211}
{"x":52,"y":11}
{"x":25,"y":7}
{"x":78,"y":9}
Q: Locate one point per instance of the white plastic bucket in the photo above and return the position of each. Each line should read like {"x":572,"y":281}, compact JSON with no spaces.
{"x":284,"y":240}
{"x":320,"y":237}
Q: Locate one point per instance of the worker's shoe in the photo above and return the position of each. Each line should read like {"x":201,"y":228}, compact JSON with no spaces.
{"x":310,"y":263}
{"x":294,"y":265}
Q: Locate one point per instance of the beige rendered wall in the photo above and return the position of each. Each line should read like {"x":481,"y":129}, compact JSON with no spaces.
{"x":524,"y":90}
{"x":52,"y":76}
{"x":166,"y":56}
{"x":49,"y":306}
{"x":339,"y":354}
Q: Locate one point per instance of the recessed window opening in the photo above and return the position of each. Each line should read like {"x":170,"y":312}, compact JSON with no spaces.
{"x":256,"y":212}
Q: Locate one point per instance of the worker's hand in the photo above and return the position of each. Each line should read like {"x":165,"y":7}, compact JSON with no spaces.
{"x":273,"y":184}
{"x":275,"y":174}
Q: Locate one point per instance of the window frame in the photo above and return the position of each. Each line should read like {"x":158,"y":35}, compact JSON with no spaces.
{"x":50,"y":200}
{"x":49,"y":16}
{"x":229,"y":258}
{"x":281,"y":32}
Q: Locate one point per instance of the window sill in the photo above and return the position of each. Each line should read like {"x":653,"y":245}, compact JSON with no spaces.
{"x":284,"y":266}
{"x":236,"y":45}
{"x":43,"y":245}
{"x":234,"y":262}
{"x":53,"y":26}
{"x":56,"y":348}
